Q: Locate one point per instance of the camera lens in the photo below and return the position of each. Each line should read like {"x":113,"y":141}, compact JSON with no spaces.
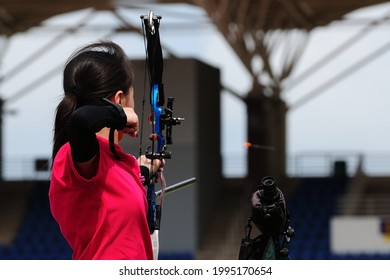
{"x":269,"y":187}
{"x":268,"y":181}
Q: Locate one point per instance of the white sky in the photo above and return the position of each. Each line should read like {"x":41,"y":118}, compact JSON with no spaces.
{"x":351,"y":116}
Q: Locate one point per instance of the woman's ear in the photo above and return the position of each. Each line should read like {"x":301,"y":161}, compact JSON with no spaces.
{"x":118,"y":97}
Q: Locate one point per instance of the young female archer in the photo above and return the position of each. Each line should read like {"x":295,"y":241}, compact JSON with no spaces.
{"x":96,"y":192}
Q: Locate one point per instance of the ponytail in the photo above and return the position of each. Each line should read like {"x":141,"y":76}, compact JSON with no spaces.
{"x":63,"y":112}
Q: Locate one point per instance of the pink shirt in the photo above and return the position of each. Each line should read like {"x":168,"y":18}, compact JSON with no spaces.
{"x":103,"y":217}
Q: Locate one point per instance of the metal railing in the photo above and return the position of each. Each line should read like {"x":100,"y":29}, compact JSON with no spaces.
{"x":322,"y":164}
{"x":25,"y":168}
{"x":318,"y":164}
{"x":308,"y":164}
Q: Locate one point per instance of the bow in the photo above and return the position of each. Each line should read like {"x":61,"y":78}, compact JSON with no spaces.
{"x":161,"y":118}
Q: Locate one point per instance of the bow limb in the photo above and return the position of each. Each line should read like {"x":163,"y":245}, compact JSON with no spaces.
{"x":154,"y":50}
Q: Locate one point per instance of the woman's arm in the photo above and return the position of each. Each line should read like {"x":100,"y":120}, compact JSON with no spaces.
{"x":82,"y":128}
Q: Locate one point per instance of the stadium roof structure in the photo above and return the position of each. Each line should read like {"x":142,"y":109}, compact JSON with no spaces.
{"x":20,"y":15}
{"x":281,"y":14}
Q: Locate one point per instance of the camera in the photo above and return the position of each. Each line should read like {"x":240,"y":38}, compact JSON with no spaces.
{"x":269,"y":211}
{"x":270,"y":215}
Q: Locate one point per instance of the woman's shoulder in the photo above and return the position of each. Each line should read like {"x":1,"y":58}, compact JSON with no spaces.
{"x":62,"y":153}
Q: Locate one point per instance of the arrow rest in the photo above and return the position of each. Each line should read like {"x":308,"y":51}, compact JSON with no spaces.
{"x":164,"y":154}
{"x":166,"y":122}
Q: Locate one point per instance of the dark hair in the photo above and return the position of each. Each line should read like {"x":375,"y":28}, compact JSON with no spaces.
{"x":92,"y":73}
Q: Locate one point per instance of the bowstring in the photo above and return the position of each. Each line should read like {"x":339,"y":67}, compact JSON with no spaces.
{"x":143,"y":96}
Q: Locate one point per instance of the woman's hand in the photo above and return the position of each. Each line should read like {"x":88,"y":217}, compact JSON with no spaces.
{"x":158,"y":164}
{"x":132,"y":122}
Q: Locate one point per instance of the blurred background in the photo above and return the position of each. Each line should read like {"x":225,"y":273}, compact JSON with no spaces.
{"x":297,"y":90}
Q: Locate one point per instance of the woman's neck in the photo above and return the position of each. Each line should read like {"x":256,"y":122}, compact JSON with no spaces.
{"x":105,"y":133}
